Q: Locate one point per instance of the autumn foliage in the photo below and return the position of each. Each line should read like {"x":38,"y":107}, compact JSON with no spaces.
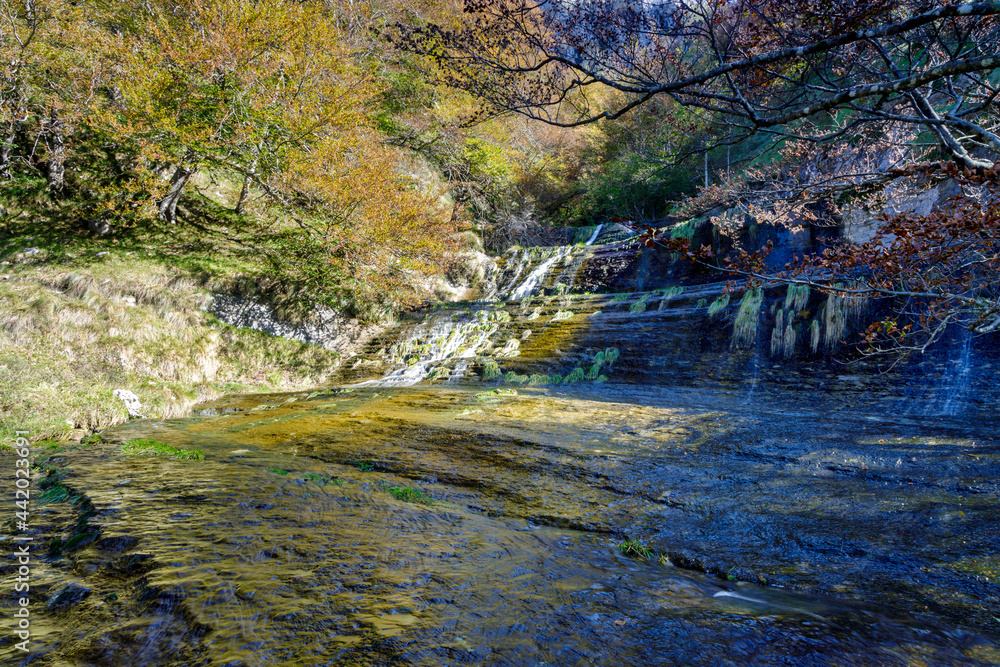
{"x":140,"y":97}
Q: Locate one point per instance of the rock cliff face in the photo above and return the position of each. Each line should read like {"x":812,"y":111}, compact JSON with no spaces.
{"x":617,"y":312}
{"x":325,"y":327}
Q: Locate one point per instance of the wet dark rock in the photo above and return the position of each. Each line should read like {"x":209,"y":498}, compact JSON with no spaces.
{"x":117,"y":544}
{"x":69,"y":595}
{"x":130,"y":565}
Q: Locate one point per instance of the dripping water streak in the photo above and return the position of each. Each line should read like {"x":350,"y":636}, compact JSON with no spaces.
{"x":956,"y":380}
{"x":534,"y":279}
{"x":593,"y":237}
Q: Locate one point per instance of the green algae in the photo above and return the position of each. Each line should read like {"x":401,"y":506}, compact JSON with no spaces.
{"x":145,"y":447}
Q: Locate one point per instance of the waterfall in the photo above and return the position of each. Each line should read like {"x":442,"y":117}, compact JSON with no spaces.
{"x":955,"y":381}
{"x":432,"y":344}
{"x":520,"y":263}
{"x":534,"y":278}
{"x":593,"y":237}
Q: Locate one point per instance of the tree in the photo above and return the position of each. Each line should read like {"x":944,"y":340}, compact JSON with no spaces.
{"x":811,"y":69}
{"x":48,"y":74}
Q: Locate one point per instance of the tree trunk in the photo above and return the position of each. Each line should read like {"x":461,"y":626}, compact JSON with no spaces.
{"x":168,"y":205}
{"x":244,"y":191}
{"x":55,"y":173}
{"x":7,"y":149}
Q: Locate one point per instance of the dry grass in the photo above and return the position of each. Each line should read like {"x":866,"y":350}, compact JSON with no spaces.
{"x":69,"y":338}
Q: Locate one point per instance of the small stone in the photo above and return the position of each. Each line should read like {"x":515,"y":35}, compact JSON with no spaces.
{"x":31,"y":251}
{"x":99,"y":227}
{"x":102,"y":253}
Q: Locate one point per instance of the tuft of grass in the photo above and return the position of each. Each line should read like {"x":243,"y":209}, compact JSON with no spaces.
{"x":278,"y":471}
{"x":363,"y":466}
{"x":406,"y":494}
{"x":635,"y":548}
{"x":142,"y":447}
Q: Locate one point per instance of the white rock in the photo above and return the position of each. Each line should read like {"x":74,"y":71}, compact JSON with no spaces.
{"x":131,"y":402}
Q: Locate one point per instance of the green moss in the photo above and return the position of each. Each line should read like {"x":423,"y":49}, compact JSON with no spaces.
{"x":142,"y":447}
{"x":491,"y":370}
{"x":718,"y":305}
{"x":494,"y":393}
{"x":747,"y":318}
{"x":796,"y":297}
{"x":683,"y":231}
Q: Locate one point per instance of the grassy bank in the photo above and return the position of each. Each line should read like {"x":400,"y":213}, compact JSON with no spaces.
{"x":82,"y":315}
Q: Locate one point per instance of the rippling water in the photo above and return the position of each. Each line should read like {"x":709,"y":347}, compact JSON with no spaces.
{"x":777,"y":537}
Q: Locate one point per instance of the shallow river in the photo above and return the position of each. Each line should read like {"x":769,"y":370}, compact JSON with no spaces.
{"x":595,"y":525}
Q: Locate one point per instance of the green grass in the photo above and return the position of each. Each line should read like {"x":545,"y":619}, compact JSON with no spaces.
{"x":70,"y":334}
{"x":142,"y":447}
{"x":635,"y":548}
{"x":406,"y":494}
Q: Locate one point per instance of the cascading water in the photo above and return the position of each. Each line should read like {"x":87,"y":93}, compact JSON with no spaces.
{"x":431,"y":344}
{"x":534,"y":278}
{"x":955,"y":383}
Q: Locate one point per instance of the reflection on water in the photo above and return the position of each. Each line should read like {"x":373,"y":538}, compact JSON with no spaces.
{"x":777,"y":537}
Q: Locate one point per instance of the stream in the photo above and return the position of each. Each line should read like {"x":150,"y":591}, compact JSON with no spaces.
{"x":588,"y":469}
